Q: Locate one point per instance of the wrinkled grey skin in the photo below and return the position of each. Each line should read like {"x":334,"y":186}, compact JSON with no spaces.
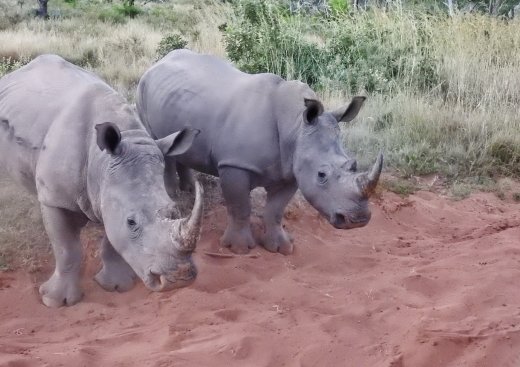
{"x":60,"y":138}
{"x":256,"y":130}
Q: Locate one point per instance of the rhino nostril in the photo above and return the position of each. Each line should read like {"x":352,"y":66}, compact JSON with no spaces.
{"x":155,"y":280}
{"x":339,"y":219}
{"x":352,"y":167}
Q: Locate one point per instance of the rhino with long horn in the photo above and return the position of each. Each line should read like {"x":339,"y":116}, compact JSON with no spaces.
{"x":72,"y":140}
{"x":257,"y":130}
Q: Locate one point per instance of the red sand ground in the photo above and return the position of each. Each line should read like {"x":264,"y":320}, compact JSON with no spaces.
{"x":429,"y":282}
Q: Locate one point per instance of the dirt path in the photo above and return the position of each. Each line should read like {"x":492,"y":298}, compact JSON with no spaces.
{"x":429,"y":283}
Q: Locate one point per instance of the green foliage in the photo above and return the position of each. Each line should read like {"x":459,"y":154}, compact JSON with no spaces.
{"x":360,"y":52}
{"x":506,"y":153}
{"x":399,"y":186}
{"x":338,"y":6}
{"x":373,"y":54}
{"x":8,"y":64}
{"x":128,"y":9}
{"x":119,"y":12}
{"x":264,"y":38}
{"x":170,"y":43}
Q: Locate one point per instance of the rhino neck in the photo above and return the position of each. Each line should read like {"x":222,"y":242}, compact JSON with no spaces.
{"x":289,"y":109}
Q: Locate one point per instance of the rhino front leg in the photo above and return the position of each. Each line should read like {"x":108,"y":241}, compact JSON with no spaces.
{"x":236,"y":187}
{"x":276,"y":238}
{"x":116,"y":274}
{"x":63,"y":228}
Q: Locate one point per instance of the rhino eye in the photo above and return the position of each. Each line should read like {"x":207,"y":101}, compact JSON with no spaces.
{"x":322,"y":177}
{"x":131,"y":222}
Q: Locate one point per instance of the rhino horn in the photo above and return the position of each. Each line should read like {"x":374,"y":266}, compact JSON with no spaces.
{"x":367,"y":181}
{"x":188,"y":230}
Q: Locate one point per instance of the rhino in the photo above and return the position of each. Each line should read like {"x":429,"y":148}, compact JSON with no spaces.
{"x":69,"y":138}
{"x":257,"y":130}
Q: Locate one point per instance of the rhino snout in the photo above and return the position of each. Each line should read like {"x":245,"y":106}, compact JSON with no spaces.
{"x":182,"y":276}
{"x":342,"y":220}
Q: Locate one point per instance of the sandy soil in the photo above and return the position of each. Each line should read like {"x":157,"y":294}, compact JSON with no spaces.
{"x":430,"y":282}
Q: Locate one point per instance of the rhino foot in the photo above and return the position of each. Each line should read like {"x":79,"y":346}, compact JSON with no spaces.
{"x":238,"y":241}
{"x":278,"y":241}
{"x":61,"y":290}
{"x":116,"y":277}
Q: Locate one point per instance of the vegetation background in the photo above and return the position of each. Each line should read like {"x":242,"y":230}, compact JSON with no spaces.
{"x":442,"y":79}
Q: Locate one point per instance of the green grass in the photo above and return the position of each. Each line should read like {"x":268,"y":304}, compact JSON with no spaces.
{"x":399,"y":186}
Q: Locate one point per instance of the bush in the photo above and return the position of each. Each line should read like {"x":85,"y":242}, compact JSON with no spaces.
{"x":170,"y":43}
{"x":128,"y":9}
{"x":365,"y":51}
{"x":338,"y":6}
{"x":506,"y":155}
{"x":264,"y":38}
{"x":118,"y":13}
{"x":8,"y":64}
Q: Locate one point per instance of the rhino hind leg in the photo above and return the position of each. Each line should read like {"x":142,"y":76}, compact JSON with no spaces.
{"x":276,"y":239}
{"x":236,"y":186}
{"x":63,"y":228}
{"x":116,"y":274}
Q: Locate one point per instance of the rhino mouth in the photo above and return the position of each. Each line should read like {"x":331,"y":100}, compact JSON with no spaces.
{"x":343,"y":221}
{"x":164,"y":282}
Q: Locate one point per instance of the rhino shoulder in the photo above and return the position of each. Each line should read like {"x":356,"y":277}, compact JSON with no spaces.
{"x":289,"y":103}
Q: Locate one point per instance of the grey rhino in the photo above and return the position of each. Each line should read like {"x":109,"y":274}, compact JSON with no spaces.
{"x":71,"y":139}
{"x":256,"y":131}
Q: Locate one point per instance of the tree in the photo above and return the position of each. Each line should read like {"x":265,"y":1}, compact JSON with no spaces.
{"x":42,"y":10}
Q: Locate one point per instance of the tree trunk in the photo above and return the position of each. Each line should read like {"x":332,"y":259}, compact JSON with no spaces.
{"x":42,"y":10}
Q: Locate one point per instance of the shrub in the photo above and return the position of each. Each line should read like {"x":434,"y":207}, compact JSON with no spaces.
{"x":170,"y":43}
{"x":128,"y":9}
{"x":8,"y":64}
{"x":338,"y":6}
{"x":264,"y":38}
{"x":506,"y":154}
{"x":375,"y":52}
{"x":118,"y":13}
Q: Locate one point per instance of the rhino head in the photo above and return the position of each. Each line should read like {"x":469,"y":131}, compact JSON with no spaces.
{"x":326,"y":175}
{"x":141,"y":222}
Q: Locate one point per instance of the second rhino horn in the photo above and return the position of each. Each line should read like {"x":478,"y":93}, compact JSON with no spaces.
{"x":186,"y":231}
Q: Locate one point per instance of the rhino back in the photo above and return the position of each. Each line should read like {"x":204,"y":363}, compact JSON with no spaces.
{"x":233,"y":110}
{"x":48,"y":111}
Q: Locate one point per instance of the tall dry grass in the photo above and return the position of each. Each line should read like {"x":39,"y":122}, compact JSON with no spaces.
{"x":468,"y":123}
{"x":119,"y":51}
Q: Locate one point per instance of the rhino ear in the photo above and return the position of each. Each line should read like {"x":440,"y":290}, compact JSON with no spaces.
{"x":313,"y":109}
{"x":348,"y":112}
{"x":177,"y":143}
{"x":108,"y":137}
